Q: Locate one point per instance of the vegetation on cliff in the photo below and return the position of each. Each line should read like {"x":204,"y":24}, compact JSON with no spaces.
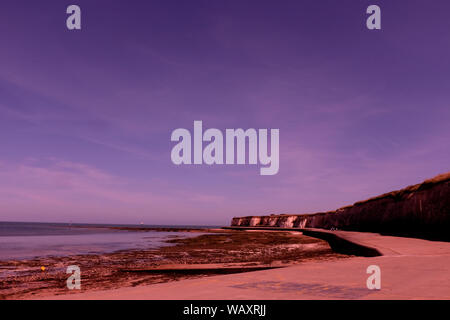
{"x":421,"y":210}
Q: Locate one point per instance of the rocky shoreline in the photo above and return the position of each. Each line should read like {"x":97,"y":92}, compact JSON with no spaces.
{"x":212,"y":252}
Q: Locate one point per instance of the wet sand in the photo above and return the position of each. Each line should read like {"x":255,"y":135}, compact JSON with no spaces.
{"x":212,"y":252}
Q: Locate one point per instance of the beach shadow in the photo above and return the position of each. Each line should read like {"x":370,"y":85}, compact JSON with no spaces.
{"x":313,"y":289}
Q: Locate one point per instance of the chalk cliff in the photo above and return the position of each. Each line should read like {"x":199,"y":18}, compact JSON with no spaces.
{"x":421,"y":210}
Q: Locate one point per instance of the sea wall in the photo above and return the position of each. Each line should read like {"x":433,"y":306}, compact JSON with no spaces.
{"x":421,"y":210}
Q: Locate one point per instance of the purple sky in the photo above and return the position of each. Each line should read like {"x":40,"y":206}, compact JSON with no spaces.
{"x":86,"y":116}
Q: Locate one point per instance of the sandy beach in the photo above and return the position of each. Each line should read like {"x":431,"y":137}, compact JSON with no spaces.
{"x":208,"y":252}
{"x":410,"y":269}
{"x":244,"y":263}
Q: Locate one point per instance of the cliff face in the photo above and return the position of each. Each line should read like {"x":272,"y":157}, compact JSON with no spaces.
{"x":421,"y":210}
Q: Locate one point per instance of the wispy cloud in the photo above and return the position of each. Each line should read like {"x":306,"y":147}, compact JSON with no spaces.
{"x":60,"y":189}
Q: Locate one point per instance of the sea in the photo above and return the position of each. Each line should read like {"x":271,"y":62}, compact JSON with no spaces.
{"x":28,"y":240}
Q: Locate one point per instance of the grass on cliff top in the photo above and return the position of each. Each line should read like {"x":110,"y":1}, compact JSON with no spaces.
{"x":393,"y":194}
{"x":410,"y":189}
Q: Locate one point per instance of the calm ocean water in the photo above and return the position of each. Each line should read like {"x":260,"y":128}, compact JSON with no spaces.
{"x":22,"y":240}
